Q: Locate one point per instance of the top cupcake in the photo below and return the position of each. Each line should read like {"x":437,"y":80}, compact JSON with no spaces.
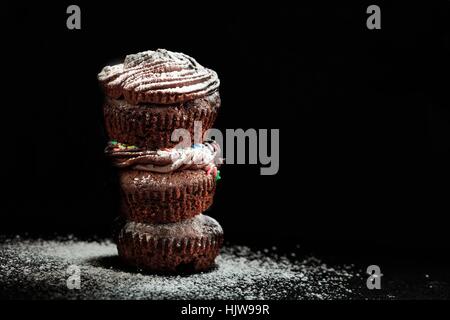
{"x":158,"y":77}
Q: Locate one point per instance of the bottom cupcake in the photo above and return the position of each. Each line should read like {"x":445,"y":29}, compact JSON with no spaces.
{"x":186,"y":246}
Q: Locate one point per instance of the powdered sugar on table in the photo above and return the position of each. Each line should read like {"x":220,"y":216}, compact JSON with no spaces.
{"x":38,"y":269}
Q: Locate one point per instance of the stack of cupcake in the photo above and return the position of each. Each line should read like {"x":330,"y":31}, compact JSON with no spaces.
{"x":165,"y":184}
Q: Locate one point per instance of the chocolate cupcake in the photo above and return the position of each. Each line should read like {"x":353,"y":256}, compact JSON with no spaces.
{"x":167,"y":185}
{"x":189,"y":245}
{"x":152,"y":93}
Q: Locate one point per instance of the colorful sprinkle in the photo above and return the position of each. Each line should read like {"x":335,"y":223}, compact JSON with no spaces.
{"x":121,"y":146}
{"x":218,"y":177}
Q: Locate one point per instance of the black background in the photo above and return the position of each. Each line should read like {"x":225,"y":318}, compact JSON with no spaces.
{"x":363,"y":118}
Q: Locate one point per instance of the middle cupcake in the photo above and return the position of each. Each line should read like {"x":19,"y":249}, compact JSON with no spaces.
{"x":166,"y":185}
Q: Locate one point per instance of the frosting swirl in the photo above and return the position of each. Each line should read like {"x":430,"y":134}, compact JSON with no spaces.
{"x":160,"y":77}
{"x":204,"y":156}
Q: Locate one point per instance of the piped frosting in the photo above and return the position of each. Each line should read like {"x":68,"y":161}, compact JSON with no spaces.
{"x":205,"y":156}
{"x":159,"y":77}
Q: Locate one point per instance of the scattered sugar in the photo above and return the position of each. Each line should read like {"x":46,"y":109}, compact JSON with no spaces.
{"x":38,"y":269}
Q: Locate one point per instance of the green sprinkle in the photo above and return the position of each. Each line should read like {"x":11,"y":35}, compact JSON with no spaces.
{"x":218,"y":177}
{"x":113,"y":142}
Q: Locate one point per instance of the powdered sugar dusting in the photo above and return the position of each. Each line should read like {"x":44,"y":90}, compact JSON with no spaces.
{"x":160,"y":77}
{"x":196,"y":226}
{"x":37,"y":269}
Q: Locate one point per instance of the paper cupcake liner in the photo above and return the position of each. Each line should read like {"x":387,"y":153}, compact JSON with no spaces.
{"x":152,"y":126}
{"x":152,"y":252}
{"x":160,"y":202}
